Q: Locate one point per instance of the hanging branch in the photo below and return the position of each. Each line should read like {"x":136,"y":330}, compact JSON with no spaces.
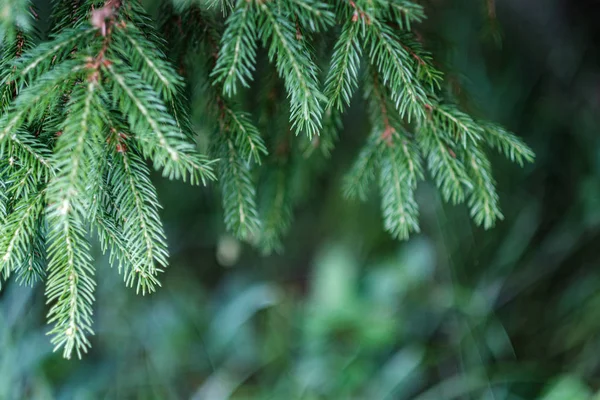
{"x":86,"y":112}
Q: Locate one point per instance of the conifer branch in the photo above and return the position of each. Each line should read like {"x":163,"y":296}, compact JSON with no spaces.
{"x":456,"y":124}
{"x":137,"y":206}
{"x":32,"y":102}
{"x":20,"y":230}
{"x":157,"y":133}
{"x":483,"y":200}
{"x":394,"y":64}
{"x":3,"y":196}
{"x":41,"y":57}
{"x":74,"y":154}
{"x":397,"y":184}
{"x":55,"y":131}
{"x":247,"y":137}
{"x":111,"y":241}
{"x":342,"y":78}
{"x":429,"y":76}
{"x":326,"y":141}
{"x":448,"y":171}
{"x":237,"y":54}
{"x":295,"y":67}
{"x":147,"y":59}
{"x":70,"y":287}
{"x":147,"y":114}
{"x":33,"y":268}
{"x":22,"y":146}
{"x":507,"y":143}
{"x":239,"y":193}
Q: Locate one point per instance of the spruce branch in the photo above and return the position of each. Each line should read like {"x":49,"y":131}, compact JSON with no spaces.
{"x":65,"y":170}
{"x":147,"y":115}
{"x":137,"y":206}
{"x":43,"y":56}
{"x":342,"y":78}
{"x":70,"y":286}
{"x":109,"y":220}
{"x":33,"y":268}
{"x":237,"y":145}
{"x":456,"y":125}
{"x":237,"y":53}
{"x":238,"y":192}
{"x":295,"y":66}
{"x":74,"y":154}
{"x":111,"y":240}
{"x":247,"y":137}
{"x":145,"y":57}
{"x":427,"y":73}
{"x":25,"y":151}
{"x":156,"y":131}
{"x":447,"y":170}
{"x":67,"y":14}
{"x":507,"y":143}
{"x":3,"y":195}
{"x":483,"y":200}
{"x":32,"y":102}
{"x":20,"y":231}
{"x":397,"y":70}
{"x":399,"y":169}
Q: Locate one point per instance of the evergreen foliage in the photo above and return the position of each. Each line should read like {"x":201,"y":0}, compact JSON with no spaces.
{"x":88,"y":108}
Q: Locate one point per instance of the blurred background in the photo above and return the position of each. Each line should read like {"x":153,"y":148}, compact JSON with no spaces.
{"x":345,"y":312}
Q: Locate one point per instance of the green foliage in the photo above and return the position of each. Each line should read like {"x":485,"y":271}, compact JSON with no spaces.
{"x":84,"y":102}
{"x":239,"y":193}
{"x":238,"y":49}
{"x":400,"y":169}
{"x":85,"y":110}
{"x":294,"y":63}
{"x":342,"y":78}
